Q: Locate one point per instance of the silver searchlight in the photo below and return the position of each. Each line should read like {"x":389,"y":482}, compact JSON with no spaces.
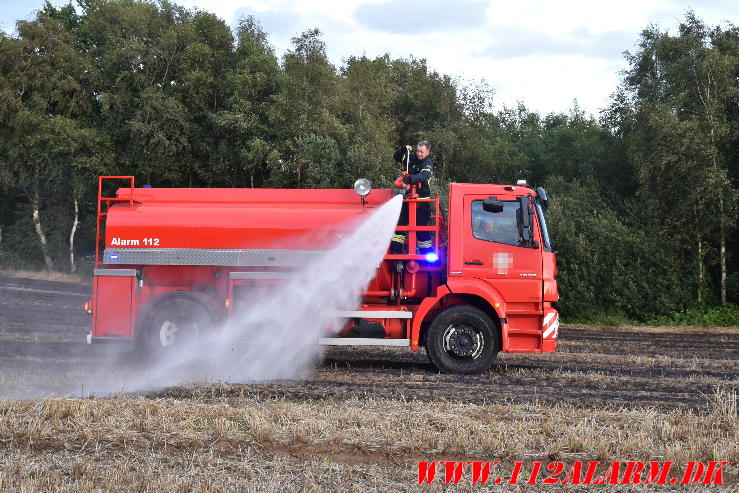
{"x":363,"y":187}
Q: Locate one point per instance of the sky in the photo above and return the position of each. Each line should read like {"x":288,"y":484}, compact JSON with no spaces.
{"x":544,"y":53}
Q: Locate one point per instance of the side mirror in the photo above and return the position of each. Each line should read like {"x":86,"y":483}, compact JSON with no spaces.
{"x":492,"y":204}
{"x":525,"y":222}
{"x":542,"y":198}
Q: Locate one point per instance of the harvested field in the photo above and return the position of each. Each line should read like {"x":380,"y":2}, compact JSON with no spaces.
{"x":362,"y":420}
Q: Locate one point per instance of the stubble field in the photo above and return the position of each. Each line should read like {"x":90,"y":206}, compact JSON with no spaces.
{"x":361,"y":421}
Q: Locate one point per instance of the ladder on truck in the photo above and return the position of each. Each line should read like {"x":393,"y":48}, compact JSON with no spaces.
{"x":104,"y":204}
{"x":412,"y":228}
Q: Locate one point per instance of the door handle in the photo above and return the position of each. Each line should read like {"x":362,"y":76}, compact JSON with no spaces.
{"x":473,"y":262}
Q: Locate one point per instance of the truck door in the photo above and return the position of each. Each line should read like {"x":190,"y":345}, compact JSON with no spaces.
{"x":493,"y":250}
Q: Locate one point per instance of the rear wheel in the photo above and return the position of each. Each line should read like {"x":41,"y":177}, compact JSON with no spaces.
{"x":174,"y":322}
{"x":462,"y":339}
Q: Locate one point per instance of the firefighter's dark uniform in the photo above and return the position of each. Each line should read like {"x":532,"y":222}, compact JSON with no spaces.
{"x":420,"y":170}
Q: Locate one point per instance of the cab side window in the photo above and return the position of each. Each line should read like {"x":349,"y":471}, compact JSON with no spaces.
{"x":500,"y":227}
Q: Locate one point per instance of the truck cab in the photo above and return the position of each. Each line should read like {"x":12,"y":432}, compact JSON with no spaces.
{"x":498,"y":240}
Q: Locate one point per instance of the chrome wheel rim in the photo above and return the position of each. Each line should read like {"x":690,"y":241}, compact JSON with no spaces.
{"x":463,"y":341}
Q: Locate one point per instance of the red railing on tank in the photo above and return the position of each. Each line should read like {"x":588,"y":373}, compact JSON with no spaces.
{"x":104,"y":204}
{"x":411,"y":230}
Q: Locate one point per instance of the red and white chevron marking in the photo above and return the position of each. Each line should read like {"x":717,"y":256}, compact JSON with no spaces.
{"x":551,"y":325}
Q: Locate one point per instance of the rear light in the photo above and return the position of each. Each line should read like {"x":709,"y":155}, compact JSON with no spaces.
{"x":412,"y":267}
{"x":227,"y":303}
{"x":87,"y":307}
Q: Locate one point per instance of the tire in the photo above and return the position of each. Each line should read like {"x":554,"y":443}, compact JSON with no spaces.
{"x":173,"y":323}
{"x":462,"y":340}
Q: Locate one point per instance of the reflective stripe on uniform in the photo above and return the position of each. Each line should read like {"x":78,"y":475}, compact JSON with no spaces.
{"x":425,"y":244}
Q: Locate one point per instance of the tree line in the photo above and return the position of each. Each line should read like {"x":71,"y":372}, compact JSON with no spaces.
{"x":643,"y":197}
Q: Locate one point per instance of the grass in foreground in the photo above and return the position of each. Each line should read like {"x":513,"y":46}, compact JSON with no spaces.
{"x":352,"y":445}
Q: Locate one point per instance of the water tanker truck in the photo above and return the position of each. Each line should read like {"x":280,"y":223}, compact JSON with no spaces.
{"x":174,"y":261}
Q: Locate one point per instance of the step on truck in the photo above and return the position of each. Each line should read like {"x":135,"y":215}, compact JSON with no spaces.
{"x":173,"y":263}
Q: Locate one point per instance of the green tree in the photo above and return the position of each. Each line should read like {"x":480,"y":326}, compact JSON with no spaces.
{"x":43,"y":95}
{"x":307,"y":104}
{"x":243,"y":124}
{"x":162,"y":78}
{"x":367,"y":108}
{"x":608,"y":263}
{"x":682,"y":87}
{"x":427,"y":107}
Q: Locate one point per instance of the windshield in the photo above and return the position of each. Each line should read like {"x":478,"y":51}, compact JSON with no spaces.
{"x":543,"y":224}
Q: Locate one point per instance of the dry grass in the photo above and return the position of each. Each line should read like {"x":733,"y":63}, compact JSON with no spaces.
{"x":174,"y":445}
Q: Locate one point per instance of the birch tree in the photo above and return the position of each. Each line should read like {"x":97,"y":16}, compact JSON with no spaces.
{"x":42,"y":92}
{"x":689,"y":82}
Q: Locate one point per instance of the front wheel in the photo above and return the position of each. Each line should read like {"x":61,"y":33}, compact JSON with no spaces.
{"x":462,"y":339}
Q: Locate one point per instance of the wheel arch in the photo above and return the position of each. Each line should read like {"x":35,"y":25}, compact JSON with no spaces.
{"x":152,"y":304}
{"x":473,"y":292}
{"x":459,"y":299}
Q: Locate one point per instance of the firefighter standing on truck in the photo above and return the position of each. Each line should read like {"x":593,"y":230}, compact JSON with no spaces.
{"x":420,"y":168}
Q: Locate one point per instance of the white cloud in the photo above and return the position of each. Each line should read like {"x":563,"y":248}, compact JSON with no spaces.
{"x":278,"y":24}
{"x":416,"y":17}
{"x":517,"y":43}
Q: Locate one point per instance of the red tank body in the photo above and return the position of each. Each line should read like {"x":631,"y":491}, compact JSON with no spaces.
{"x":201,"y":218}
{"x":491,"y":289}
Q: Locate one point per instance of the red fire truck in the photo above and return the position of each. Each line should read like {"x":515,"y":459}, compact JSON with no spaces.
{"x":177,"y":263}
